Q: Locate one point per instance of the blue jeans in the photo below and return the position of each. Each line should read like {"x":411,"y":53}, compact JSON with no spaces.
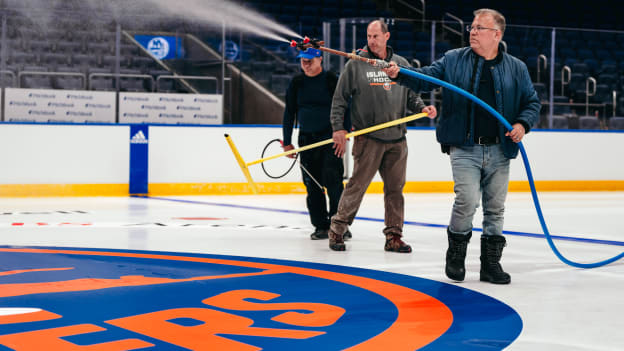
{"x":480,"y":173}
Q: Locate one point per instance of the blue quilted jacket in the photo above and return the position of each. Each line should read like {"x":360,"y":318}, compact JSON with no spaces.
{"x":516,"y":98}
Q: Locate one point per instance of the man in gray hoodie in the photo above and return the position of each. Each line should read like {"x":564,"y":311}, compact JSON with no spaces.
{"x":374,"y":99}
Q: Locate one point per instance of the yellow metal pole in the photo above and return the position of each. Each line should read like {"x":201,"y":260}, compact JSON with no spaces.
{"x":242,"y":165}
{"x":349,"y":135}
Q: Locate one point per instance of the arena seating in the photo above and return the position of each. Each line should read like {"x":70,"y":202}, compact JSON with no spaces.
{"x":588,"y":54}
{"x":44,"y":36}
{"x":51,"y":42}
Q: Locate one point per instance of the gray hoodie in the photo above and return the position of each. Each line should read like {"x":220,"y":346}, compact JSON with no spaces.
{"x":374,"y":97}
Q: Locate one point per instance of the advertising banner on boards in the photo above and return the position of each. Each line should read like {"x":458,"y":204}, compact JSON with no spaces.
{"x":170,"y":108}
{"x":46,"y":105}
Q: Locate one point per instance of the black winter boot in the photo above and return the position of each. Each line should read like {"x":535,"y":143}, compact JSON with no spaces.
{"x":491,"y":252}
{"x":456,"y":255}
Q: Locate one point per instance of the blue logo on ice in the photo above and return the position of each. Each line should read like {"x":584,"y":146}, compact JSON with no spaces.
{"x":70,"y":299}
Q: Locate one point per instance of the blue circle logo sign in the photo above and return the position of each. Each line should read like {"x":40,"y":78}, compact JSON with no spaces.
{"x":159,"y":47}
{"x":70,"y":299}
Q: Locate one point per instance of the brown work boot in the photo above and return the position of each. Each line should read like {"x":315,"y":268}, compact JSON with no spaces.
{"x":336,"y":241}
{"x":395,"y":244}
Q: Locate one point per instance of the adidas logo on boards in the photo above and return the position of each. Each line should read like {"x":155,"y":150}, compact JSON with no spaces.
{"x":139,"y":138}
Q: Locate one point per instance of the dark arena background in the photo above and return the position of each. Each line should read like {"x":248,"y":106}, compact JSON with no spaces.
{"x":128,"y":221}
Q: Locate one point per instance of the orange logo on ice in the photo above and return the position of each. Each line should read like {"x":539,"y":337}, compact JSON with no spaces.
{"x":223,"y":318}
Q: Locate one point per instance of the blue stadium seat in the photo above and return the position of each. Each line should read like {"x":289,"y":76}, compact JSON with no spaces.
{"x":35,"y":81}
{"x":262,"y":71}
{"x":593,"y":66}
{"x":22,"y":58}
{"x":609,"y":68}
{"x":560,"y":122}
{"x":577,"y":82}
{"x":589,"y":122}
{"x":100,"y":83}
{"x":585,"y":54}
{"x":69,"y":47}
{"x":38,"y":46}
{"x":570,"y":61}
{"x":616,"y":123}
{"x":100,"y":49}
{"x":560,"y":108}
{"x":567,"y":52}
{"x":131,"y":83}
{"x":84,"y":61}
{"x":128,"y":49}
{"x":602,"y":53}
{"x":143,"y":63}
{"x":603,"y":94}
{"x":607,"y":78}
{"x":310,"y":11}
{"x":8,"y":80}
{"x":330,"y":11}
{"x":68,"y":82}
{"x":580,"y":67}
{"x":53,"y":60}
{"x":280,"y":82}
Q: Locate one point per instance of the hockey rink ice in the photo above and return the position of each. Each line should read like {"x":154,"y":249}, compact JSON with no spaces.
{"x":548,"y":305}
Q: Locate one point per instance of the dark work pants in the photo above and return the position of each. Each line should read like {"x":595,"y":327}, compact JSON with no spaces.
{"x":328,"y":170}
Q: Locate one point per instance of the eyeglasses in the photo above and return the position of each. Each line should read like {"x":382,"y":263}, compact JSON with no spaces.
{"x":469,"y":28}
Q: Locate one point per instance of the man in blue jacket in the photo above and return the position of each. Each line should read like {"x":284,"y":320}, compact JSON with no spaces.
{"x":479,"y":146}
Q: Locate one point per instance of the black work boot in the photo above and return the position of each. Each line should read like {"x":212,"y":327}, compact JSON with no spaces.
{"x":319,"y":234}
{"x":336,"y":241}
{"x":395,"y":244}
{"x":456,"y":255}
{"x":491,"y":252}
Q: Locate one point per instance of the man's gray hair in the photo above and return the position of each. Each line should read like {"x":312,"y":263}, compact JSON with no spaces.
{"x":498,"y":17}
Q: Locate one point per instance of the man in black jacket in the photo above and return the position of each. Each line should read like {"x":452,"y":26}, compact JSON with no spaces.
{"x":308,"y":100}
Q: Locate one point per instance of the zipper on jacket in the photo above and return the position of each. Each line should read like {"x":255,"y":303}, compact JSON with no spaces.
{"x":471,"y":105}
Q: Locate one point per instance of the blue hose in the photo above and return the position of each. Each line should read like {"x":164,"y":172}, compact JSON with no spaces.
{"x":538,"y":208}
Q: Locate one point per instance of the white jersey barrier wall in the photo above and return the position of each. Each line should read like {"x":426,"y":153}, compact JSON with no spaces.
{"x":73,"y":160}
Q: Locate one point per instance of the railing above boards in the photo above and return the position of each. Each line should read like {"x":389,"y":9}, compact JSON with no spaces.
{"x":121,"y":75}
{"x":564,"y":81}
{"x":544,"y":59}
{"x":421,"y":11}
{"x":454,"y":19}
{"x":50,"y":74}
{"x":8,"y":73}
{"x":176,"y":77}
{"x":588,"y":93}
